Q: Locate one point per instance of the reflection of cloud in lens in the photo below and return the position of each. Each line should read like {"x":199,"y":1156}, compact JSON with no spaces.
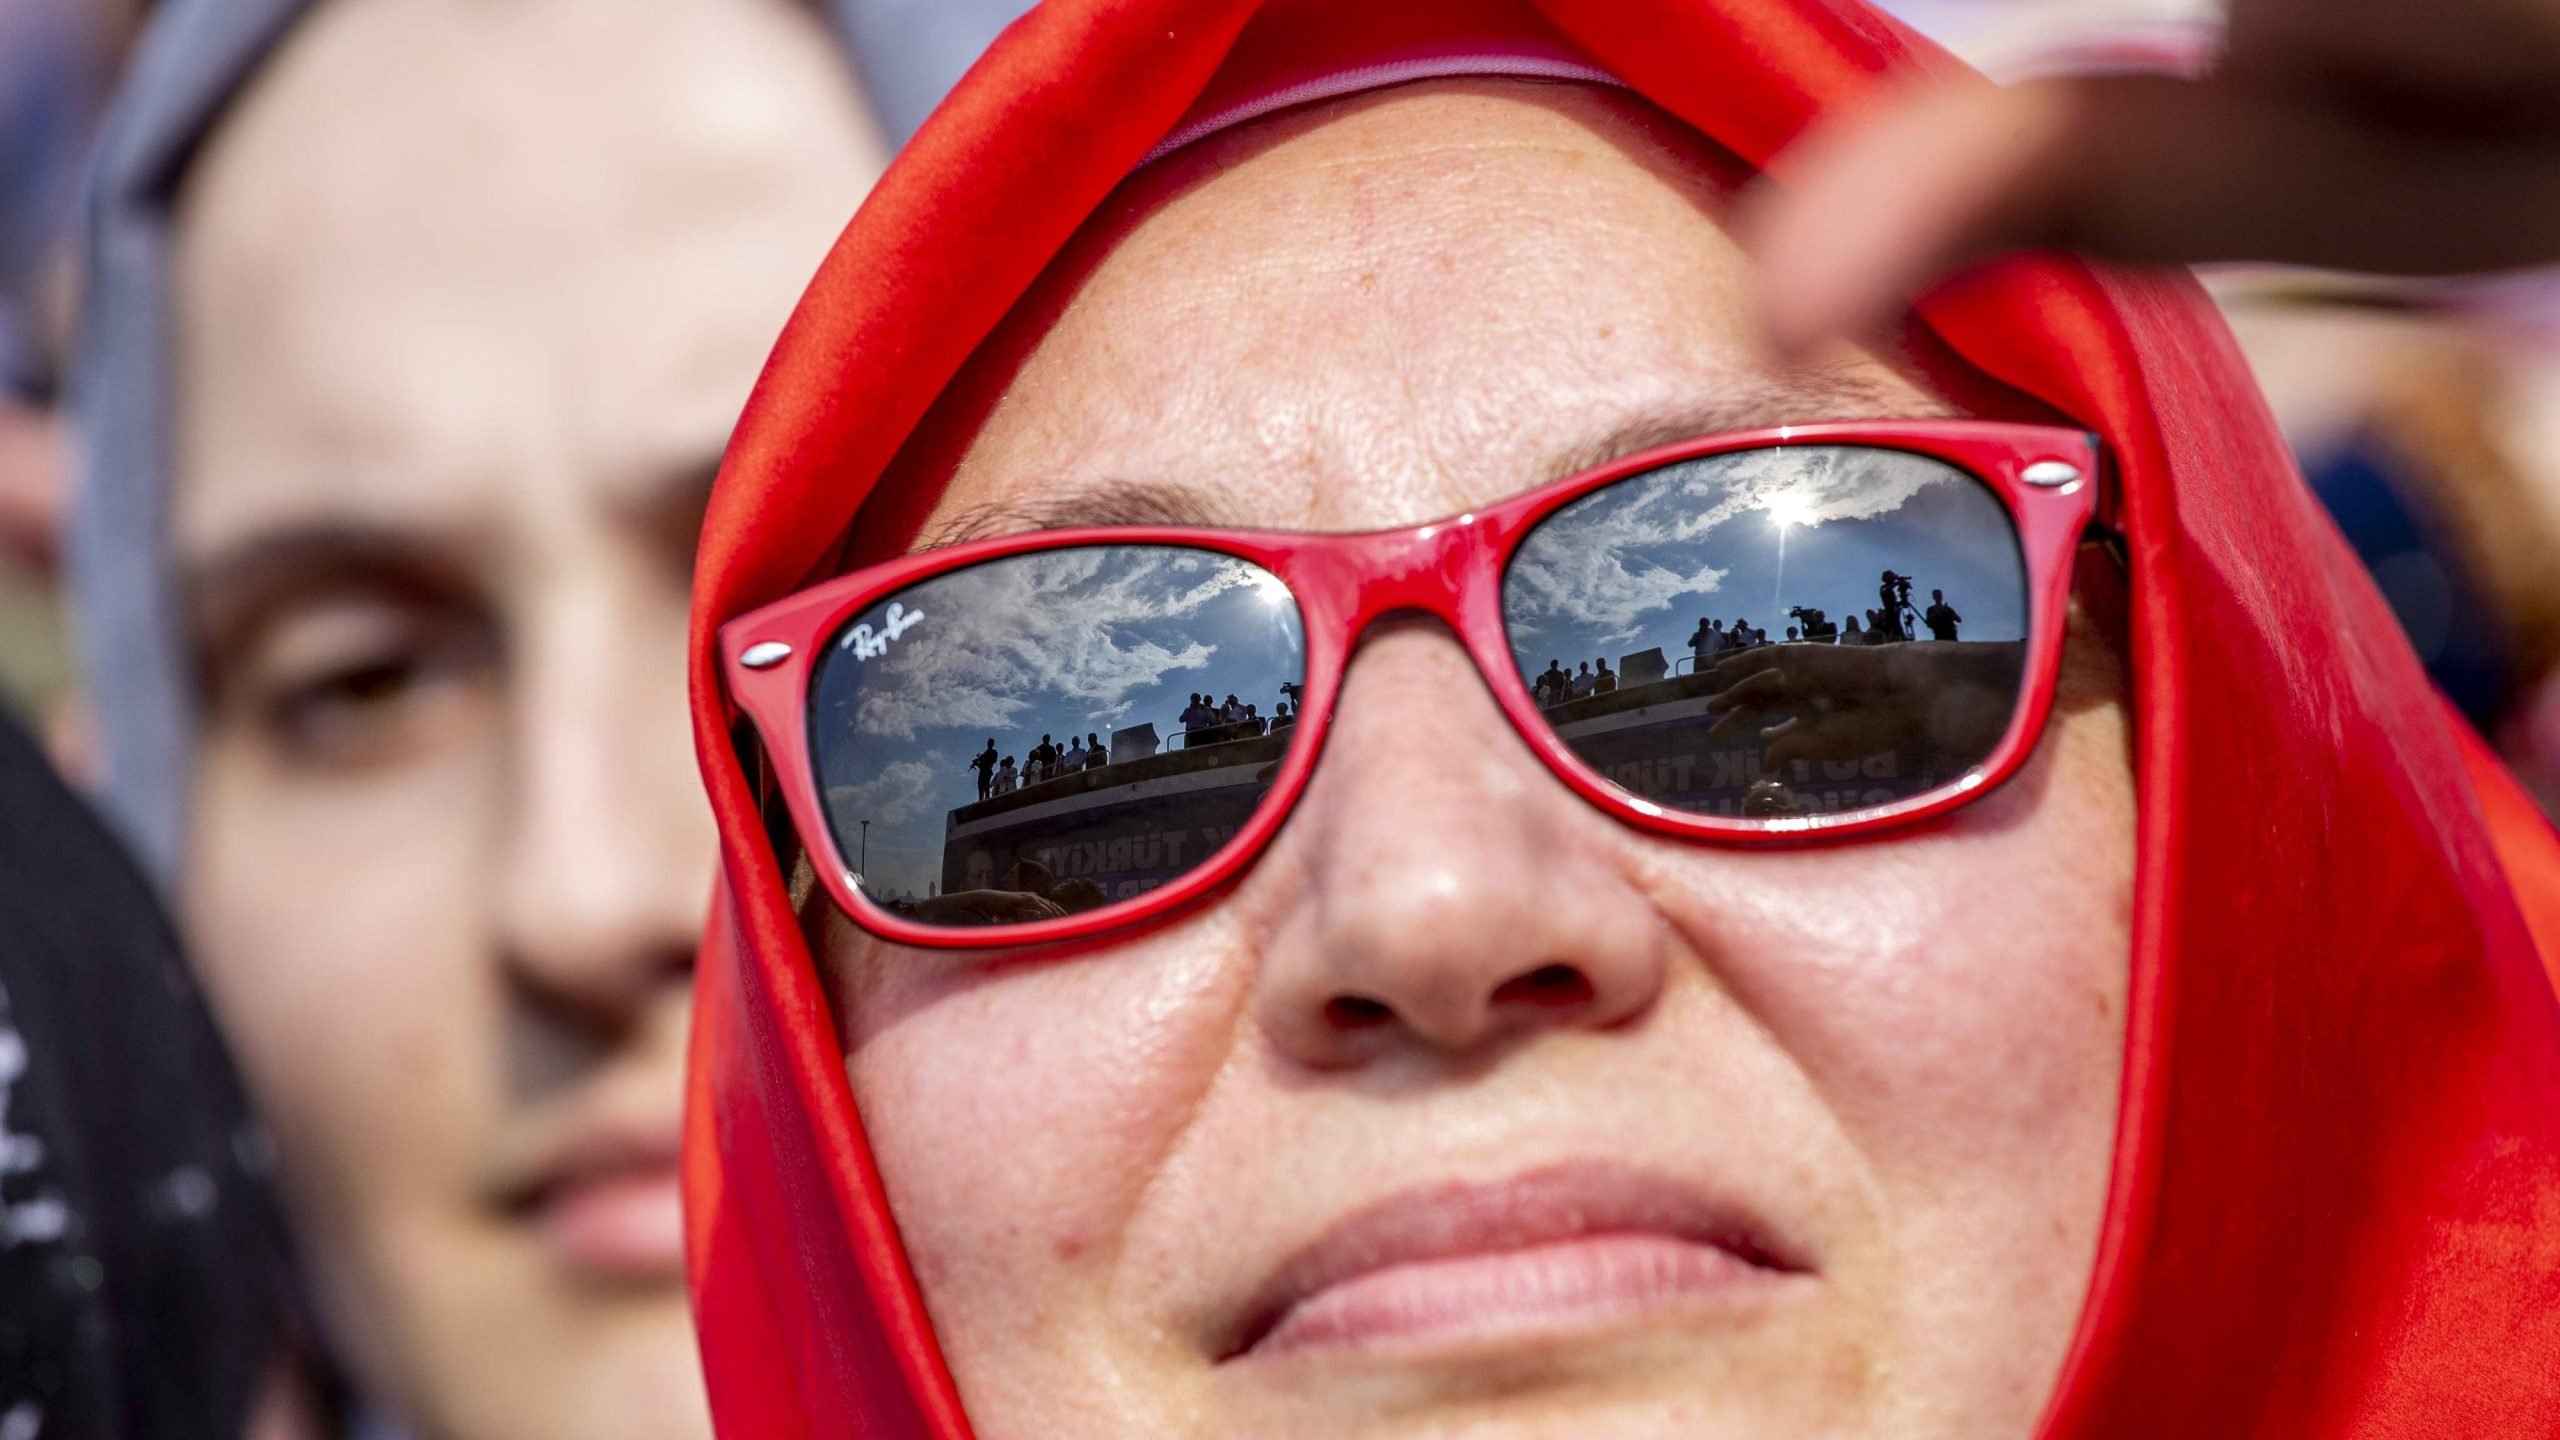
{"x":902,"y":791}
{"x":1088,"y":625}
{"x":1596,"y":563}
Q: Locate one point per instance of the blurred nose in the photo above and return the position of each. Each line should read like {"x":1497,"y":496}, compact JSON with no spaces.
{"x":609,"y":852}
{"x":1454,"y":895}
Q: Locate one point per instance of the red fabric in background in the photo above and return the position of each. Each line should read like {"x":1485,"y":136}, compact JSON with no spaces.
{"x":2336,"y":1208}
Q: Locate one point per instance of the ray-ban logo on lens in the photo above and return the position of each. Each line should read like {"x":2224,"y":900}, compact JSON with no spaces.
{"x":869,"y":644}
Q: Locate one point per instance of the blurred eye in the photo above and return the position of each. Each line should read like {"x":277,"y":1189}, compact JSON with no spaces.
{"x":349,"y":683}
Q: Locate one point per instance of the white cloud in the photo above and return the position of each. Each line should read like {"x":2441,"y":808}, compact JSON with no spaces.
{"x":902,"y":791}
{"x":1089,"y":626}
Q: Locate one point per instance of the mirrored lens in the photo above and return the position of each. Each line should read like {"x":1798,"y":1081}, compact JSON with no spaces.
{"x":1772,"y":634}
{"x":1044,"y":735}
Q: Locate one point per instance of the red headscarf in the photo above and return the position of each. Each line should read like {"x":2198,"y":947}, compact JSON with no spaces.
{"x":2336,"y":1202}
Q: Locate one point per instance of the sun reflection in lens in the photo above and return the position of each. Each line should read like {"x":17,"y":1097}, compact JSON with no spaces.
{"x":1790,"y":507}
{"x":1270,"y":589}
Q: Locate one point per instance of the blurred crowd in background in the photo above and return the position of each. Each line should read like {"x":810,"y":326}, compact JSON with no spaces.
{"x":405,"y":336}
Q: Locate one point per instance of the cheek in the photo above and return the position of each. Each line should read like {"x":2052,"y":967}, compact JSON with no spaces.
{"x":1017,"y":1115}
{"x":1957,"y":997}
{"x":356,"y":985}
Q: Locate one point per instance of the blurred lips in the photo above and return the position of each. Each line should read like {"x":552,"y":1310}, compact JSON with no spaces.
{"x":1573,"y":1246}
{"x":605,"y":1198}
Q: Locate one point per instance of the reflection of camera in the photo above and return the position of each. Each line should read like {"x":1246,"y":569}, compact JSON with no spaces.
{"x":1290,"y":690}
{"x":1799,"y":612}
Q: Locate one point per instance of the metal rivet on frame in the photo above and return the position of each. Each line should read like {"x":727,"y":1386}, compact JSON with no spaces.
{"x":765,"y":656}
{"x":2050,"y":474}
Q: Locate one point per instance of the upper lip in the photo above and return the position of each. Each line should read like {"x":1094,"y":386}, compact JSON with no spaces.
{"x":1537,"y":1207}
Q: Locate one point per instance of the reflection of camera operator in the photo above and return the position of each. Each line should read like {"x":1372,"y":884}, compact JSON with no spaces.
{"x":1895,"y":591}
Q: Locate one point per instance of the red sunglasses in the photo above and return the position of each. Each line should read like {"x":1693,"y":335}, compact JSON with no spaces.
{"x":872,"y":692}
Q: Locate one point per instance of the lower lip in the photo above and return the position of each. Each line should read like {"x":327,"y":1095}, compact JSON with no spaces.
{"x":625,"y":1227}
{"x":1591,"y":1281}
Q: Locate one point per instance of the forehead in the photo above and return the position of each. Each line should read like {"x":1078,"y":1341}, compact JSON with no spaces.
{"x":475,"y":240}
{"x":1380,"y":312}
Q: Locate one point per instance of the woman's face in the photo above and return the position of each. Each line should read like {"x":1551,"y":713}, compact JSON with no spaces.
{"x":467,"y":296}
{"x":1297,"y":1164}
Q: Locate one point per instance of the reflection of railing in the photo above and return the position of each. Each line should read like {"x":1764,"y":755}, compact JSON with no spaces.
{"x":1692,"y":663}
{"x":1226,"y":731}
{"x":1252,"y":727}
{"x":1223,"y":733}
{"x":1133,"y":769}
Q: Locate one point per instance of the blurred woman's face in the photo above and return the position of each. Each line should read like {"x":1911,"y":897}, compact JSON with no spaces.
{"x":1804,"y":1142}
{"x":467,"y":297}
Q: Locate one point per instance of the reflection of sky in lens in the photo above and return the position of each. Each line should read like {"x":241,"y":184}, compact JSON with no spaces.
{"x":1064,"y":643}
{"x":1639,"y":564}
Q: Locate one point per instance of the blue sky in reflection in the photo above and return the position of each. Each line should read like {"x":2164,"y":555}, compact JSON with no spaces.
{"x":1066,"y":643}
{"x":1746,"y":536}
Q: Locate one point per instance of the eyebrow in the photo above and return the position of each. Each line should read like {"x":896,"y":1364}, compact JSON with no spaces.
{"x":1106,"y":502}
{"x":1799,"y":398}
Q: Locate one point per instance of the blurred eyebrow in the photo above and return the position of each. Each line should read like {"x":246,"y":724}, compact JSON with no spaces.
{"x":1804,"y":398}
{"x":1111,"y":502}
{"x":239,"y":585}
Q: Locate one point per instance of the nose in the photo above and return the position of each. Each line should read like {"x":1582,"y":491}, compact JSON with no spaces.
{"x":1450,"y":893}
{"x":608,"y":854}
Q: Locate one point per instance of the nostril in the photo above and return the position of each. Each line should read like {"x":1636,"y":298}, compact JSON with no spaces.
{"x":1549,"y":987}
{"x":1356,"y":1012}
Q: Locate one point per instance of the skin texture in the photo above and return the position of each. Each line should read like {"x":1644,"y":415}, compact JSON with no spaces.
{"x":468,"y":296}
{"x":1902,"y":1057}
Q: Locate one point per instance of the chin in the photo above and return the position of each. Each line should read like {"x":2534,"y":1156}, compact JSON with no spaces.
{"x":624,"y":1368}
{"x":1666,"y":1383}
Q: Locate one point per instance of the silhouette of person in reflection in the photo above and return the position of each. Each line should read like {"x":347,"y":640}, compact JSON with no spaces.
{"x":1941,"y":617}
{"x":1895,"y":591}
{"x":1281,"y":719}
{"x":1606,"y":682}
{"x":1006,"y":777}
{"x":1074,"y":758}
{"x":1095,"y":756}
{"x":1552,"y":684}
{"x":1707,"y":641}
{"x":1852,"y":633}
{"x":1580,"y":685}
{"x":1196,"y":719}
{"x":985,"y":764}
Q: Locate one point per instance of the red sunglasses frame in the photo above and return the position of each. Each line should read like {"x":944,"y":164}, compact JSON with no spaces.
{"x":2049,"y":478}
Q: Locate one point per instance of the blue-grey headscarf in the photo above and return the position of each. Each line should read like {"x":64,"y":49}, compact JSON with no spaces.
{"x":195,"y":58}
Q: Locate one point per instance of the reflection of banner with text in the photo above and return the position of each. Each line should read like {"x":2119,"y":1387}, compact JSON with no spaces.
{"x":1677,"y":765}
{"x":1126,"y":838}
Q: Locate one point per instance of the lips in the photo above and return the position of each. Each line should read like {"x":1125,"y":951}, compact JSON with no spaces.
{"x":1568,"y":1246}
{"x":606,"y":1199}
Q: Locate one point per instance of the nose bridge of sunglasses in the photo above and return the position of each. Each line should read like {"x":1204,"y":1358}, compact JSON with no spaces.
{"x":1356,"y":580}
